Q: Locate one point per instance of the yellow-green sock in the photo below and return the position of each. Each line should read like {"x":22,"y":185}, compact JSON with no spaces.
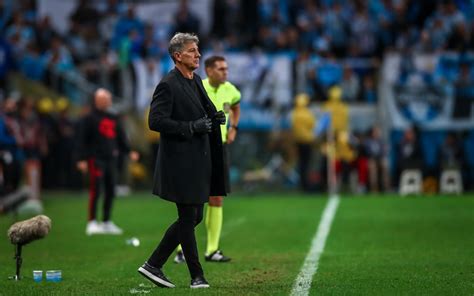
{"x":214,"y":226}
{"x":179,"y":248}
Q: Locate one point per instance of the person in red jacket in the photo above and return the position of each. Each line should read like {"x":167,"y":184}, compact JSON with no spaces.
{"x":101,"y":139}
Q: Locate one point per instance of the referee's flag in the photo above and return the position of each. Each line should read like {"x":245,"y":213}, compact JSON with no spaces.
{"x":323,"y":124}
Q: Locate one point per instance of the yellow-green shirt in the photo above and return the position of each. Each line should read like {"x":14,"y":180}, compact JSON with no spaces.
{"x":224,"y":97}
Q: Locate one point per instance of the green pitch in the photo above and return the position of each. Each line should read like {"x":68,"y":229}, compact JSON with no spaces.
{"x":376,"y":246}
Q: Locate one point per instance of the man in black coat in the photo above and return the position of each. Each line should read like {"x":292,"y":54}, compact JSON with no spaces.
{"x":190,"y":163}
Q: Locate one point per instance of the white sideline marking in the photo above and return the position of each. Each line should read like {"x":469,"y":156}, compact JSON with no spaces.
{"x":310,"y":266}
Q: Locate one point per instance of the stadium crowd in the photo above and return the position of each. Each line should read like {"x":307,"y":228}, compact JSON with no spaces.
{"x":106,"y":37}
{"x":109,"y":34}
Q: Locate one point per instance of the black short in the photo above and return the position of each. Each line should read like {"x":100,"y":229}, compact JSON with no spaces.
{"x":225,"y":150}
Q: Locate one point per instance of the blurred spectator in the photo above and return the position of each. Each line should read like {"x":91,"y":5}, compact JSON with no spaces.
{"x":362,"y":161}
{"x":85,"y":14}
{"x":220,"y":22}
{"x":464,"y":93}
{"x":109,"y":19}
{"x":32,"y":64}
{"x":19,"y":33}
{"x":101,"y":137}
{"x":378,"y":163}
{"x":349,"y":85}
{"x":345,"y":156}
{"x":124,"y":25}
{"x":408,"y":153}
{"x":339,"y":111}
{"x":302,"y":124}
{"x":58,"y":57}
{"x":130,"y":48}
{"x":50,"y":132}
{"x":5,"y":13}
{"x":186,"y":21}
{"x":451,"y":153}
{"x":363,"y":32}
{"x":10,"y":153}
{"x":468,"y":144}
{"x":438,"y":30}
{"x":318,"y":91}
{"x":68,"y":176}
{"x":369,"y":93}
{"x":6,"y":64}
{"x":329,"y":73}
{"x":461,"y":38}
{"x":44,"y":33}
{"x":335,"y":27}
{"x":77,"y":43}
{"x":151,"y":47}
{"x":34,"y":144}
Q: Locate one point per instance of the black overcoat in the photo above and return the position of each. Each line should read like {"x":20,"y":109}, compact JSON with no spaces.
{"x":190,"y":166}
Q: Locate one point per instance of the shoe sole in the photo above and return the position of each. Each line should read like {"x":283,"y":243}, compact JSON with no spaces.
{"x":218,"y":261}
{"x":112,"y":232}
{"x":89,"y":233}
{"x":199,"y":286}
{"x":154,"y":279}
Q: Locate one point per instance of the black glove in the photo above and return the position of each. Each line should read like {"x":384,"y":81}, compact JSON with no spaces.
{"x":201,"y":126}
{"x":219,"y":118}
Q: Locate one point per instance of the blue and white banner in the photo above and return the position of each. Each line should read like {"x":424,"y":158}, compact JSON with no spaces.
{"x":428,"y":90}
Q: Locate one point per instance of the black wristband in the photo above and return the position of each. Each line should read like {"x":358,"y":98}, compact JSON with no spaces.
{"x":235,"y":127}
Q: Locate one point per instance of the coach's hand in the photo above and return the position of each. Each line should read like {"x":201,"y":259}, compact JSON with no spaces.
{"x":219,"y":118}
{"x":201,"y":126}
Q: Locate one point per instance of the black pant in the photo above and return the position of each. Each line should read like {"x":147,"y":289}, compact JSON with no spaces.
{"x":101,"y":172}
{"x":181,"y":232}
{"x":304,"y":159}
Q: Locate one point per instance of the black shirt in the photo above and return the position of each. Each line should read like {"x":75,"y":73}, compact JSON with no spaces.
{"x":204,"y":102}
{"x":101,"y":135}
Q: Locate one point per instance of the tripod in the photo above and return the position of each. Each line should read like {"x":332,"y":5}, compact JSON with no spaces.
{"x":19,"y":261}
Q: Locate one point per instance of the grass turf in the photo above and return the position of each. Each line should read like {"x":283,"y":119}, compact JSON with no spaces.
{"x":377,"y":246}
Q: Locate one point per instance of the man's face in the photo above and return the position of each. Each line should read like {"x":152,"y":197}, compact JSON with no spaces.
{"x":218,"y":73}
{"x":103,"y":99}
{"x":189,"y":56}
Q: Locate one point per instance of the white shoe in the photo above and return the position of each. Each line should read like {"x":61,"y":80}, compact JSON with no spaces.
{"x":110,"y":228}
{"x":94,"y":227}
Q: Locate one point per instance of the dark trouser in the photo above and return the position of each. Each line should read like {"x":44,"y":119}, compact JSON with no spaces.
{"x":101,"y":173}
{"x":11,"y":175}
{"x":181,"y":232}
{"x":304,"y":158}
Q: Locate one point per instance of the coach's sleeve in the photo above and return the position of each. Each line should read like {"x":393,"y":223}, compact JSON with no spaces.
{"x":161,"y":109}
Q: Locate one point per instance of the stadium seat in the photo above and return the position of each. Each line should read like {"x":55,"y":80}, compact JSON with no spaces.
{"x":451,"y":182}
{"x":410,"y":182}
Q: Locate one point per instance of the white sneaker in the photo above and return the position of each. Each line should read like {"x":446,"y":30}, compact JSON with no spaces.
{"x":110,"y":228}
{"x":94,"y":227}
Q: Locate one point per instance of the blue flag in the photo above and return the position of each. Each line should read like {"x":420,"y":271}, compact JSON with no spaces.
{"x":323,"y":124}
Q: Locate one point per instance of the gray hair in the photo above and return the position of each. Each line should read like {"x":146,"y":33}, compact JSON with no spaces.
{"x":179,"y":40}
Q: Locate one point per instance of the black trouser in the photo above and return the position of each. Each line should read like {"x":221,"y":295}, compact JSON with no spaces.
{"x":181,"y":232}
{"x":12,"y":172}
{"x":101,"y":172}
{"x":304,"y":159}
